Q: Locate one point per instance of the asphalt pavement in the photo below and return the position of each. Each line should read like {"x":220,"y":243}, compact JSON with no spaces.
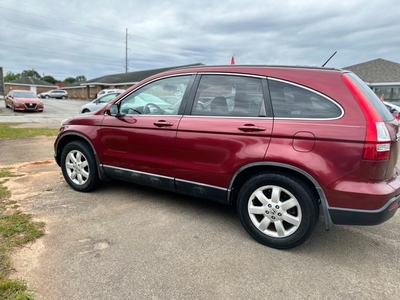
{"x":55,"y":110}
{"x":125,"y":241}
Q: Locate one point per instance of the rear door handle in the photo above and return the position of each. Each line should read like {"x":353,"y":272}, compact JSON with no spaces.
{"x":251,"y":128}
{"x":163,"y":123}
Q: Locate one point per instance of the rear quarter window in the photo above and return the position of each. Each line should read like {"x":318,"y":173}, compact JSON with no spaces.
{"x":292,"y":101}
{"x":377,"y":103}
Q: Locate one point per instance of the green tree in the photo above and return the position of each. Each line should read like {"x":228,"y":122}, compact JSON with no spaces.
{"x":80,"y":78}
{"x":49,"y":79}
{"x":69,"y":80}
{"x":30,"y":73}
{"x":10,"y":76}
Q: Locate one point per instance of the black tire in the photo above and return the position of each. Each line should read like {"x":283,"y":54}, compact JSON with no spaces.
{"x":85,"y":111}
{"x":79,"y":167}
{"x":63,"y":97}
{"x":286,"y":215}
{"x":47,"y":96}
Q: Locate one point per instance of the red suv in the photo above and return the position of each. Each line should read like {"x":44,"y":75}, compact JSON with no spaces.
{"x":278,"y":143}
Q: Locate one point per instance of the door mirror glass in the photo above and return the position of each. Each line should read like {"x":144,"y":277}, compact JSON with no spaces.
{"x":114,"y":110}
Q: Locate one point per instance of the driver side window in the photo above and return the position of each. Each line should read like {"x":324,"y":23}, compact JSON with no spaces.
{"x":161,"y":97}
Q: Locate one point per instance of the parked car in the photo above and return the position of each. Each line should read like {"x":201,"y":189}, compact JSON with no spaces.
{"x":107,"y":91}
{"x":393,"y":108}
{"x":317,"y":139}
{"x":23,"y":100}
{"x":144,"y":104}
{"x":58,"y":94}
{"x":98,"y":103}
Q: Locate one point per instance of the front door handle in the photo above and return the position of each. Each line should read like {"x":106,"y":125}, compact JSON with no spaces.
{"x":163,"y":123}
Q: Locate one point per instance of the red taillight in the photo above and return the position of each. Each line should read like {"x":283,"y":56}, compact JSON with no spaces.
{"x":377,"y":139}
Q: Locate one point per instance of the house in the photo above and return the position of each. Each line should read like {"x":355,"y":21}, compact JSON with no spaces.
{"x":29,"y":84}
{"x":90,"y":88}
{"x":383,"y":76}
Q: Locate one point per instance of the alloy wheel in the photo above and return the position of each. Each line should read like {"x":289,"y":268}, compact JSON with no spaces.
{"x":77,"y":167}
{"x":274,"y":211}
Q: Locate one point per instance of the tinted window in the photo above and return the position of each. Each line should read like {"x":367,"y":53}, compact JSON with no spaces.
{"x":224,"y":95}
{"x":290,"y":101}
{"x":375,"y":101}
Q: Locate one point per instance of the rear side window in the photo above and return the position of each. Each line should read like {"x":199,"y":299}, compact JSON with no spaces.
{"x":292,"y":101}
{"x":383,"y":112}
{"x":227,"y":95}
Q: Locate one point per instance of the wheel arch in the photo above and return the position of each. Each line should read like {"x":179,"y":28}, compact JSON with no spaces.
{"x":245,"y":172}
{"x":72,"y":137}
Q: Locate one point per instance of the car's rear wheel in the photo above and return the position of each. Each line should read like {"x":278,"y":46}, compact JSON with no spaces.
{"x":79,"y":167}
{"x":63,"y":97}
{"x":277,"y":210}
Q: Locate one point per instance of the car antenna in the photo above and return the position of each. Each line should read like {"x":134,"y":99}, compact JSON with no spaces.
{"x":329,"y":59}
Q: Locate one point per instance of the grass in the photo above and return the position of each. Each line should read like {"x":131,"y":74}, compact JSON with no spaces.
{"x":16,"y":229}
{"x":8,"y":131}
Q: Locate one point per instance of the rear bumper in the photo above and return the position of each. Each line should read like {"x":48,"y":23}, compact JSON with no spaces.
{"x":346,"y":216}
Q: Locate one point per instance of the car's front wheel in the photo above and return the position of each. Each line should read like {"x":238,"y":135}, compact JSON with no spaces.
{"x":85,"y":111}
{"x":47,"y":96}
{"x":79,"y":166}
{"x":63,"y":97}
{"x":277,"y":210}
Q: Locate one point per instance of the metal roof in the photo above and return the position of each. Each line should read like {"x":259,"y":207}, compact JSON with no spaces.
{"x":30,"y":81}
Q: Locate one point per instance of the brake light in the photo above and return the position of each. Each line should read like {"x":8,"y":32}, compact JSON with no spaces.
{"x":380,"y":148}
{"x":377,"y":140}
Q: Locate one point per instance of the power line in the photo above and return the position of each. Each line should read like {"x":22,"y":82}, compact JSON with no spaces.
{"x":91,"y":56}
{"x":49,"y":34}
{"x":98,"y":62}
{"x":58,"y":20}
{"x":81,"y":34}
{"x":97,"y":28}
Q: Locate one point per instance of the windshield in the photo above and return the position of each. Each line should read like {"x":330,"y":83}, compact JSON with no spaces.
{"x":24,"y":95}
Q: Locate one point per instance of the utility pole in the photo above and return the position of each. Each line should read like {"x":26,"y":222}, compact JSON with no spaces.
{"x":126,"y":51}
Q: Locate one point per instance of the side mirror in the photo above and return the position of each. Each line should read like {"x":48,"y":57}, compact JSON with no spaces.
{"x":114,"y":110}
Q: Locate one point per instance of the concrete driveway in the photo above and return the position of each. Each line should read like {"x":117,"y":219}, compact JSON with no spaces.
{"x":130,"y":242}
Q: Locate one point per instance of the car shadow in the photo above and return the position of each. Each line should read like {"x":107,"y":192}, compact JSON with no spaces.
{"x":321,"y":244}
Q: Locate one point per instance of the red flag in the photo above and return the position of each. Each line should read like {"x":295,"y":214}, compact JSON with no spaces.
{"x":233,"y":60}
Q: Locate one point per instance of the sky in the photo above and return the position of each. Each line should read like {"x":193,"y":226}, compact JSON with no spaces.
{"x":72,"y":38}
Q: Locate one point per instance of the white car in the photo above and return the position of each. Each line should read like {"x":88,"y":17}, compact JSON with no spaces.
{"x":99,"y":102}
{"x":107,"y":91}
{"x":393,"y":108}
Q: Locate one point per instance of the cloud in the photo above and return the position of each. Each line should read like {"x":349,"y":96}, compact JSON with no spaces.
{"x":71,"y":38}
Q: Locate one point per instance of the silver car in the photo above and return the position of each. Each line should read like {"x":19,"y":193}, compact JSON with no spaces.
{"x":58,"y":94}
{"x":98,"y":103}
